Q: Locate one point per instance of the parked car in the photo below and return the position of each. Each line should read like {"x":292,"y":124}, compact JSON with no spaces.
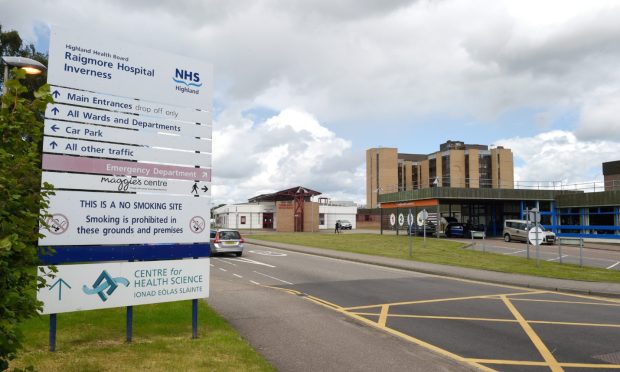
{"x":518,"y":230}
{"x":345,"y":225}
{"x":226,"y":241}
{"x":455,"y":230}
{"x":431,"y":228}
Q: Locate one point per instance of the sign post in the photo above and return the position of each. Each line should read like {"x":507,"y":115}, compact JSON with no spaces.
{"x":535,"y":234}
{"x":133,"y":127}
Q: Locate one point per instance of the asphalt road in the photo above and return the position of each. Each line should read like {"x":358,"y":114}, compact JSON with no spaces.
{"x":604,"y":259}
{"x":310,"y":313}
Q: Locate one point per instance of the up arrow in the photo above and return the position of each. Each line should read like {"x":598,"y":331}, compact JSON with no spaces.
{"x":56,"y":94}
{"x":55,"y":110}
{"x":55,"y":127}
{"x":53,"y":145}
{"x":59,"y":282}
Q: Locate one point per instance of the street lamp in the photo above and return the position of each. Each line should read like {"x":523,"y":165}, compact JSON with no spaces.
{"x":30,"y":66}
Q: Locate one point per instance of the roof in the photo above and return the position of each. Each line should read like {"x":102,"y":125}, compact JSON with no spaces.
{"x":288,"y":194}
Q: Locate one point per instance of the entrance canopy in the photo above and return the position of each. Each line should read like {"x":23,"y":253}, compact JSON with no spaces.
{"x":286,"y":195}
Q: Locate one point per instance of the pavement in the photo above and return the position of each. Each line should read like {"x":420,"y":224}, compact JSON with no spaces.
{"x":561,"y":285}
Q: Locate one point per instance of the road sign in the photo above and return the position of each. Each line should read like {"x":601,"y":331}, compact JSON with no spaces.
{"x":422,"y":217}
{"x":85,"y":98}
{"x":410,"y":219}
{"x":96,"y":182}
{"x":132,"y":137}
{"x":123,"y":168}
{"x":536,"y":235}
{"x":106,"y":285}
{"x":98,"y":64}
{"x":123,"y":152}
{"x":87,"y":218}
{"x":392,"y":219}
{"x":401,"y":219}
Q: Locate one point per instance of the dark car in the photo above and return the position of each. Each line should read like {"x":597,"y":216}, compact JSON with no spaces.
{"x":431,"y":228}
{"x":455,"y":230}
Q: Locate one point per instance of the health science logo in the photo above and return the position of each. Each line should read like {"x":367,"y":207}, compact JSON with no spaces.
{"x":187,"y":81}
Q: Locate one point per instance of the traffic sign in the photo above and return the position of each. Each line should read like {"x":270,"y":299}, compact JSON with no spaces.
{"x":145,"y":185}
{"x":422,"y":217}
{"x":124,"y":152}
{"x":132,"y":137}
{"x":536,"y":235}
{"x":84,"y":98}
{"x":392,"y":219}
{"x":410,"y":219}
{"x":127,"y":121}
{"x":401,"y":219}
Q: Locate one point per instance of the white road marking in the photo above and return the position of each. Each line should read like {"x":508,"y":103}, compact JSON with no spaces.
{"x":521,"y":251}
{"x":253,"y":282}
{"x":274,"y":278}
{"x":226,"y":262}
{"x":222,"y":269}
{"x":212,"y":265}
{"x":247,"y":260}
{"x":557,"y":258}
{"x":614,"y":265}
{"x":269,"y":253}
{"x":238,"y":276}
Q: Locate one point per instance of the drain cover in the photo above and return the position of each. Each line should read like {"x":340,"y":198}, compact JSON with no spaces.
{"x":613,"y":358}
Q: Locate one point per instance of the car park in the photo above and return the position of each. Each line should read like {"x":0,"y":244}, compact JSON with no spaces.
{"x":345,"y":225}
{"x":226,"y":241}
{"x":518,"y":230}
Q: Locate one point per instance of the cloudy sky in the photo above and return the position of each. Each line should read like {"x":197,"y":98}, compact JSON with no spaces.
{"x":303,"y":88}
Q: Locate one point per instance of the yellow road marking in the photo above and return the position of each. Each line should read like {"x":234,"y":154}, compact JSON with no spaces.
{"x":499,"y":320}
{"x":566,"y":302}
{"x":383,"y":316}
{"x":442,"y":300}
{"x":543,"y":364}
{"x":598,"y":298}
{"x":542,"y":348}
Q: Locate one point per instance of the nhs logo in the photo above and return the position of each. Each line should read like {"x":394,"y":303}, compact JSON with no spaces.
{"x":187,"y":81}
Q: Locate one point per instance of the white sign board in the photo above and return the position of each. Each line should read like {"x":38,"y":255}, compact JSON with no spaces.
{"x":93,"y":62}
{"x":401,"y":219}
{"x":128,"y":105}
{"x":116,"y":284}
{"x":145,"y":185}
{"x":87,"y":218}
{"x":58,"y":145}
{"x":392,"y":219}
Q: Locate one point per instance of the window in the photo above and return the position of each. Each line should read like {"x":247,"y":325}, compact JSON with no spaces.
{"x":322,"y":219}
{"x":242,"y":220}
{"x":485,"y":171}
{"x":445,"y":170}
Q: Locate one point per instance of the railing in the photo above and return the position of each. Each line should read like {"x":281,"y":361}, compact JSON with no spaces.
{"x":590,"y":186}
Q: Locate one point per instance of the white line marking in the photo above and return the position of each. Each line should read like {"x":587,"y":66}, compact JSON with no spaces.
{"x":222,"y":269}
{"x":274,"y":278}
{"x":212,"y":265}
{"x":614,"y":265}
{"x":226,"y":262}
{"x":238,"y":276}
{"x":253,"y":282}
{"x":521,"y":251}
{"x":247,"y":260}
{"x":557,"y":258}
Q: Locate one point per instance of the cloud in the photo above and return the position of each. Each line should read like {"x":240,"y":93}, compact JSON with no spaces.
{"x":289,"y":149}
{"x":559,"y":156}
{"x":599,"y":117}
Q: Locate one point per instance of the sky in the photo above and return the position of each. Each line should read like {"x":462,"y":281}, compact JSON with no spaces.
{"x":303,"y":88}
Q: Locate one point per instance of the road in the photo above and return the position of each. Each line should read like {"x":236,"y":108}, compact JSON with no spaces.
{"x":604,"y":259}
{"x":311,"y":313}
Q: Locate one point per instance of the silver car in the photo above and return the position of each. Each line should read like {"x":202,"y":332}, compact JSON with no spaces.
{"x":226,"y":241}
{"x":518,"y":230}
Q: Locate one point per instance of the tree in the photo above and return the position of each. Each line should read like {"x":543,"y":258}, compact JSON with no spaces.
{"x":21,"y":204}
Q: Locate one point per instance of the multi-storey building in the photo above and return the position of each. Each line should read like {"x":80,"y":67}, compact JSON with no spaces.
{"x":456,"y":164}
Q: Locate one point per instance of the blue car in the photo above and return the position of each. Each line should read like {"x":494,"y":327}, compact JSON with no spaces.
{"x":455,"y":230}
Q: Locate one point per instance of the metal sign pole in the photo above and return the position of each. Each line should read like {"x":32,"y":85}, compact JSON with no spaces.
{"x":409,"y":225}
{"x":129,"y":323}
{"x":581,"y":252}
{"x":527,"y":219}
{"x":52,"y":338}
{"x":560,"y":249}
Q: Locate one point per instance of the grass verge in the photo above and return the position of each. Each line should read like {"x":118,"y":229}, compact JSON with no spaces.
{"x":95,"y":341}
{"x":441,"y":252}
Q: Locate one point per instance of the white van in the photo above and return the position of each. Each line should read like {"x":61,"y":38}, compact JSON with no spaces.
{"x":518,"y":230}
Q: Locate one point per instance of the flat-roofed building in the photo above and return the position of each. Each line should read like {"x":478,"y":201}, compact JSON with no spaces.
{"x":456,"y":164}
{"x":611,"y":174}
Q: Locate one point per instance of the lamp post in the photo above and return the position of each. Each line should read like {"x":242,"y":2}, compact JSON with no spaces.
{"x":30,"y":66}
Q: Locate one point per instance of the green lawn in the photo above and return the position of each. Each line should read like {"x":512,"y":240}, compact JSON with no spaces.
{"x":95,"y":341}
{"x":441,"y":252}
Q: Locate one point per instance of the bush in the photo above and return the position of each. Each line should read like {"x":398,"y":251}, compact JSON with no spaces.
{"x":22,"y":206}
